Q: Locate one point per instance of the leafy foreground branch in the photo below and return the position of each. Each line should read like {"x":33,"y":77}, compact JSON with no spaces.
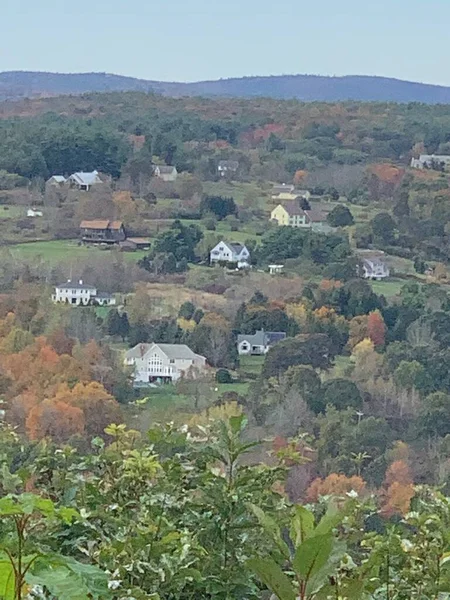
{"x":184,"y":515}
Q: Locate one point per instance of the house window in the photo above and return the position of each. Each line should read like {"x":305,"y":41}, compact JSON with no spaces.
{"x":172,"y":360}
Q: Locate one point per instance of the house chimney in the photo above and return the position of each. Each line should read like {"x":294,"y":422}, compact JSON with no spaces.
{"x":81,"y":282}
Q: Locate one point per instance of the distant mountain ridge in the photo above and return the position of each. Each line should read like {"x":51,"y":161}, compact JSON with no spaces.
{"x":308,"y":88}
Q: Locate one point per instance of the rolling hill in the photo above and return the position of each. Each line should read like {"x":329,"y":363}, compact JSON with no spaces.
{"x":308,"y":88}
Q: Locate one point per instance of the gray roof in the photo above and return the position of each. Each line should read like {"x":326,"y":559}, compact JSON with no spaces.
{"x":262,"y":338}
{"x":58,"y":178}
{"x":232,"y":165}
{"x":166,"y":170}
{"x":172,"y":351}
{"x":177,"y":351}
{"x":75,"y":285}
{"x":138,"y":351}
{"x":283,"y":187}
{"x":236,"y":247}
{"x":85,"y":178}
{"x":103,"y":296}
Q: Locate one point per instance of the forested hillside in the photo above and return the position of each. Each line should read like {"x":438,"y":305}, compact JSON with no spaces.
{"x":309,"y":88}
{"x":271,"y":139}
{"x":180,"y":424}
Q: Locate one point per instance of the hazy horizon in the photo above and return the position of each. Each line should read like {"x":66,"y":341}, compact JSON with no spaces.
{"x":199,"y":40}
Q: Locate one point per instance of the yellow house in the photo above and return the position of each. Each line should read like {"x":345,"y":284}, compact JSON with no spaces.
{"x":290,"y":214}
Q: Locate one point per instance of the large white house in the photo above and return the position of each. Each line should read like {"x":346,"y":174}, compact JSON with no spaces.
{"x":230,"y":252}
{"x":81,"y":294}
{"x":431,"y":161}
{"x":163,"y":363}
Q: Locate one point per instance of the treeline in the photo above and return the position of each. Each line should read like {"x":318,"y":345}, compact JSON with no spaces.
{"x":100,"y":131}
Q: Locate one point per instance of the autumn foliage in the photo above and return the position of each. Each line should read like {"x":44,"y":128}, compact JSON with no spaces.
{"x":376,"y":328}
{"x":336,"y":485}
{"x":398,"y":489}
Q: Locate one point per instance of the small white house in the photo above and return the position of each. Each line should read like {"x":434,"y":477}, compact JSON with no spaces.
{"x":227,"y":166}
{"x":374,"y":268}
{"x":56,"y":181}
{"x":166,"y":173}
{"x":259,"y":343}
{"x":230,"y":252}
{"x":34,"y":212}
{"x":163,"y":363}
{"x":81,"y":294}
{"x":84,"y":181}
{"x":276,"y":269}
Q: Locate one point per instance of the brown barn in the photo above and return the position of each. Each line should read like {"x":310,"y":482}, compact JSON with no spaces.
{"x":102,"y":232}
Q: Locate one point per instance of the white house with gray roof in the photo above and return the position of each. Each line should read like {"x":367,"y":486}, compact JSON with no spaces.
{"x":163,"y":363}
{"x":84,"y":181}
{"x":258,"y":343}
{"x":81,"y":294}
{"x":231,"y":252}
{"x":431,"y":161}
{"x":166,"y":173}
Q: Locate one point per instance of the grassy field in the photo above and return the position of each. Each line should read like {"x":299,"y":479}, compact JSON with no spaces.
{"x":56,"y":251}
{"x":12,"y":212}
{"x":389,"y":288}
{"x":165,"y":405}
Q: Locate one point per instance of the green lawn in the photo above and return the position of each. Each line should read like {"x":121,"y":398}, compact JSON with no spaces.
{"x":61,"y":250}
{"x":12,"y":211}
{"x":238,"y":191}
{"x":389,"y":288}
{"x":250,"y":365}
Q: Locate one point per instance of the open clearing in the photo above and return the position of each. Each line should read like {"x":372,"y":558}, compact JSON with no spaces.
{"x":56,"y":251}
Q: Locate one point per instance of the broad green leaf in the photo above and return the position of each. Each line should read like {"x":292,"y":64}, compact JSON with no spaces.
{"x":237,"y":423}
{"x":7,"y":580}
{"x":274,"y":578}
{"x":31,"y":503}
{"x":271,"y":528}
{"x":68,"y":579}
{"x":311,"y":556}
{"x":60,"y":582}
{"x":302,"y":525}
{"x":321,"y":577}
{"x":9,"y":507}
{"x":330,"y":520}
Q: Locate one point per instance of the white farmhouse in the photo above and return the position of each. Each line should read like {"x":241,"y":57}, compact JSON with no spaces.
{"x":34,"y":212}
{"x":230,"y":252}
{"x":84,"y":181}
{"x":431,"y":161}
{"x":163,"y":363}
{"x":81,"y":294}
{"x":166,"y":173}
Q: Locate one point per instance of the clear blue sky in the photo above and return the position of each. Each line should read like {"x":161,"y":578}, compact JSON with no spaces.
{"x":188,"y":40}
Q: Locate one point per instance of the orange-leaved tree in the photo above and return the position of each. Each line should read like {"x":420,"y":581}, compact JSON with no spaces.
{"x":398,"y":489}
{"x":335,"y":485}
{"x":56,"y":420}
{"x":376,"y":328}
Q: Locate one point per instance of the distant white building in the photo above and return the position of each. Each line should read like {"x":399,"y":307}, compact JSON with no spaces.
{"x":374,"y":268}
{"x":163,"y":363}
{"x":56,"y":181}
{"x":230,"y":252}
{"x":259,"y":343}
{"x":166,"y":173}
{"x":227,"y":166}
{"x":84,"y":181}
{"x":81,"y":294}
{"x":430,"y":161}
{"x":34,"y":212}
